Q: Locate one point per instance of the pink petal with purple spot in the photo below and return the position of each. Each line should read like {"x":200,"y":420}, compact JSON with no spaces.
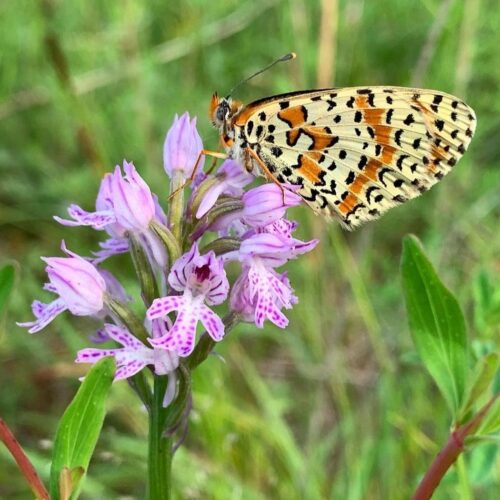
{"x":212,"y":323}
{"x":164,"y":305}
{"x":44,"y":313}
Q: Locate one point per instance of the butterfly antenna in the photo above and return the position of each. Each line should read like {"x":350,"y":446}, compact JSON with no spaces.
{"x":286,"y":57}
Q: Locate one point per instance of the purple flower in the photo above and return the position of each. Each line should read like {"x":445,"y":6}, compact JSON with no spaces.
{"x":182,"y":147}
{"x":124,"y":206}
{"x":133,"y":203}
{"x":202,"y":280}
{"x":260,"y":293}
{"x":80,"y":287}
{"x":262,"y":205}
{"x":102,"y":218}
{"x":132,"y":357}
{"x":273,"y":244}
{"x":232,"y":179}
{"x":110,"y":247}
{"x":267,"y":203}
{"x":124,"y":203}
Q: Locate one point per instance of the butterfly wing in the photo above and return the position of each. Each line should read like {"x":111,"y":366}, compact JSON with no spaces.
{"x":356,"y":152}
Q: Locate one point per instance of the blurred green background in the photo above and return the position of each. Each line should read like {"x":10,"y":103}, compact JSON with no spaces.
{"x":336,"y":406}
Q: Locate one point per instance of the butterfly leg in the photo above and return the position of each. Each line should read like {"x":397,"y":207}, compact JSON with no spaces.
{"x":206,"y":152}
{"x":266,"y":171}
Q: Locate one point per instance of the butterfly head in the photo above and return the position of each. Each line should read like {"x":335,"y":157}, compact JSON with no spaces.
{"x":222,"y":110}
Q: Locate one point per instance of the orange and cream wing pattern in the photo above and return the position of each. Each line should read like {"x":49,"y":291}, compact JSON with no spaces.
{"x":356,"y":152}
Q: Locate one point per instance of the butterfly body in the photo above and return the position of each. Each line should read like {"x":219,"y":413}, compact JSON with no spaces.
{"x":353,"y":152}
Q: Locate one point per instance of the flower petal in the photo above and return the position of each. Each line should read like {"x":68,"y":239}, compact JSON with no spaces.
{"x":110,"y":247}
{"x":209,"y":199}
{"x":164,"y":305}
{"x":44,"y":313}
{"x":123,"y":337}
{"x":129,"y":369}
{"x":181,"y":336}
{"x":212,"y":323}
{"x":98,"y":220}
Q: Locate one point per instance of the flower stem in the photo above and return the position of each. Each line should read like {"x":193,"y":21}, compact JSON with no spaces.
{"x":177,"y":409}
{"x":23,"y":462}
{"x":144,"y":271}
{"x":176,"y":204}
{"x":449,"y":454}
{"x":160,"y":446}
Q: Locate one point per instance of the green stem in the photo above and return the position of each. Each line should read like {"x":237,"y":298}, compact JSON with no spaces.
{"x":141,"y":387}
{"x":176,"y":204}
{"x":160,"y":446}
{"x":144,"y":271}
{"x":177,"y":409}
{"x":449,"y":454}
{"x":123,"y":315}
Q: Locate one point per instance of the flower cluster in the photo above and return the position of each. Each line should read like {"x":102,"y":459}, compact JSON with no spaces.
{"x":182,"y":273}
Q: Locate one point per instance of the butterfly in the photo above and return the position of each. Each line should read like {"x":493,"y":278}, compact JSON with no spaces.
{"x":354,"y":152}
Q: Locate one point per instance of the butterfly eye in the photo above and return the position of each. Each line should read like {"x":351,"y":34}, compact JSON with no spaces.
{"x":221,"y":112}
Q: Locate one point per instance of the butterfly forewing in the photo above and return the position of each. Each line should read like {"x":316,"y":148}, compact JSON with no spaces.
{"x":356,"y":152}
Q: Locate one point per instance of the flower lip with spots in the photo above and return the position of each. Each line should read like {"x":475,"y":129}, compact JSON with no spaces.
{"x":203,"y":281}
{"x":260,"y":292}
{"x":132,"y":357}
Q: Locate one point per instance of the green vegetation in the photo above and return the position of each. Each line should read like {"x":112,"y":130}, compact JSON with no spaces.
{"x":337,"y":406}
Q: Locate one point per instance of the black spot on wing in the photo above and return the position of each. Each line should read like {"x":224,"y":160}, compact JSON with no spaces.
{"x":409,"y":120}
{"x":439,"y":125}
{"x":369,"y":192}
{"x":332,"y":188}
{"x":399,"y":162}
{"x":397,"y":136}
{"x":381,"y":175}
{"x":249,"y":127}
{"x":350,"y":177}
{"x":276,"y":152}
{"x":362,"y":162}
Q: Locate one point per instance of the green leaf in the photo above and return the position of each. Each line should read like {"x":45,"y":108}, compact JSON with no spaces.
{"x":436,"y":324}
{"x":491,"y":421}
{"x":80,"y":427}
{"x":482,"y":377}
{"x":7,"y":278}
